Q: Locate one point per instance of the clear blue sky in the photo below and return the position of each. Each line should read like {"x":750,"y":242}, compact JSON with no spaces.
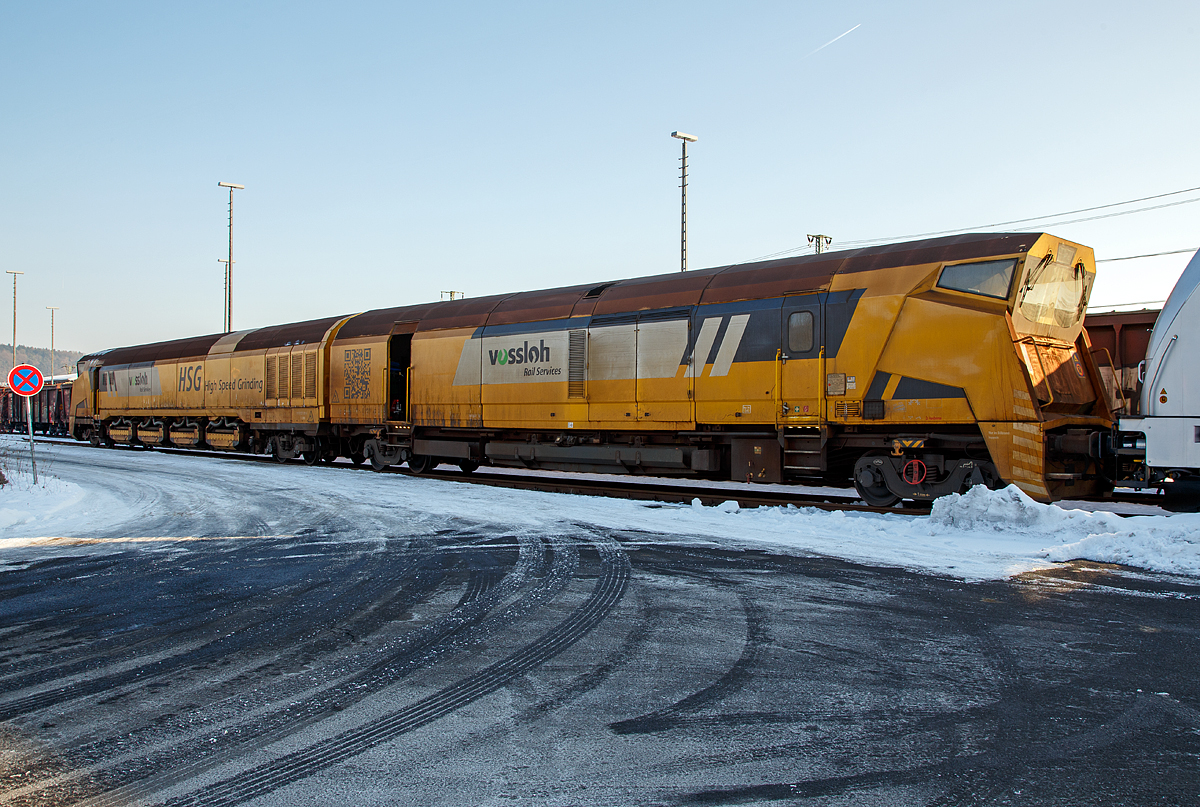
{"x":391,"y":151}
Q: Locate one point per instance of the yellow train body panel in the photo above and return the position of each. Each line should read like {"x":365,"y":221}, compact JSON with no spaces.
{"x":955,"y":360}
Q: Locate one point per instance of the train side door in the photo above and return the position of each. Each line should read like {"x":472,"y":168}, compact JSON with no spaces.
{"x":399,"y":362}
{"x":664,"y":388}
{"x":800,"y":372}
{"x":94,"y":391}
{"x":612,"y":370}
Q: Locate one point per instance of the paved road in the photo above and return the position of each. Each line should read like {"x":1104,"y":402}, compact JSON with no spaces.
{"x":316,"y":650}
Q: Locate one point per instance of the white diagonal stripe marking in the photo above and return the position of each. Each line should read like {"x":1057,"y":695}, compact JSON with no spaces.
{"x":729,"y":345}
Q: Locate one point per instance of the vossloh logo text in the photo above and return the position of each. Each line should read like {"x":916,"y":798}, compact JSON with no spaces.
{"x":538,"y":354}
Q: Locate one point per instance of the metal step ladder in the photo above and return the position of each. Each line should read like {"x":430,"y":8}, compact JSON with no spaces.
{"x":804,"y":451}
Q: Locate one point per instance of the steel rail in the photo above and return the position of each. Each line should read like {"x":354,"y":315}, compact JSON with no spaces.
{"x":626,"y":487}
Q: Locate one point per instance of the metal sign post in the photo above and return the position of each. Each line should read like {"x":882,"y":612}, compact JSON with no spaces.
{"x":27,"y":381}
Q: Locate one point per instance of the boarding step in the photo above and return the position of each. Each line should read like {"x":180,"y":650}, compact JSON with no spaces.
{"x":804,"y":456}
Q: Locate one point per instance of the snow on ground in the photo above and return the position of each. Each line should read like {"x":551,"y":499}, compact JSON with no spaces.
{"x":981,"y":534}
{"x":24,"y":505}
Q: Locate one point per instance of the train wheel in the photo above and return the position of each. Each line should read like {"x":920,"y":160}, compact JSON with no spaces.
{"x":1182,"y":495}
{"x":468,"y":467}
{"x":870,"y":484}
{"x":310,"y":457}
{"x":377,"y":463}
{"x":421,"y":463}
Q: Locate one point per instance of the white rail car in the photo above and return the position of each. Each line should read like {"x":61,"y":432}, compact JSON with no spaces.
{"x":1169,"y":427}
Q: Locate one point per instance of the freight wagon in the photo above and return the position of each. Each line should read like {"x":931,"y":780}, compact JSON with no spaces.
{"x":1119,"y":341}
{"x":915,"y":369}
{"x":51,"y":410}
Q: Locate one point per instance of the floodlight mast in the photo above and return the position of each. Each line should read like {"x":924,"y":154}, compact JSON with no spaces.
{"x":229,"y":261}
{"x":685,"y":138}
{"x":52,"y":309}
{"x":14,"y":274}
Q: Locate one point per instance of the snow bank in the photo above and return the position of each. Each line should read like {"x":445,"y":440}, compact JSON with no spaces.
{"x":981,"y":534}
{"x":1158,"y":543}
{"x":24,"y":504}
{"x":1011,"y":510}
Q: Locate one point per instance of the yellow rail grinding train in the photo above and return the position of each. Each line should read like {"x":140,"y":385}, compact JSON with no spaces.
{"x":916,"y":369}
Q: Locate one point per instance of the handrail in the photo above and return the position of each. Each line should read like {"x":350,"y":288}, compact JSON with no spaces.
{"x":1117,"y":381}
{"x":408,"y":394}
{"x":778,"y":390}
{"x":1158,"y":369}
{"x":1045,"y":375}
{"x":821,"y":390}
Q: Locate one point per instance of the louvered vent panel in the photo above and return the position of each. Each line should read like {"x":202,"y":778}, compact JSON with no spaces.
{"x":577,"y":364}
{"x":272,"y":378}
{"x":310,"y":375}
{"x":847,"y":409}
{"x":283,"y":376}
{"x":297,"y":374}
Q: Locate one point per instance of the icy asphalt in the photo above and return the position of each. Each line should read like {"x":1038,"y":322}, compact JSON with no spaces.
{"x":193,"y":630}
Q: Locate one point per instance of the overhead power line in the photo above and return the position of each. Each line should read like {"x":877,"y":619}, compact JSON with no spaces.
{"x":1042,"y":219}
{"x":1147,"y":255}
{"x":1045,"y":218}
{"x":1124,"y":305}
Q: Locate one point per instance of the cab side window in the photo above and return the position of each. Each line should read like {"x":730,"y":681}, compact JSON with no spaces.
{"x":986,"y":278}
{"x":800,"y":332}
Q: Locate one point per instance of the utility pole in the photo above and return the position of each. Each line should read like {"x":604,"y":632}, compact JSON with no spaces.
{"x":228,"y":293}
{"x":51,"y":309}
{"x":819,"y":242}
{"x":229,"y":264}
{"x":685,"y":138}
{"x":14,"y":274}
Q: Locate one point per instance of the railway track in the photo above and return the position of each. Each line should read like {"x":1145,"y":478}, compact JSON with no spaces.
{"x":624,"y":487}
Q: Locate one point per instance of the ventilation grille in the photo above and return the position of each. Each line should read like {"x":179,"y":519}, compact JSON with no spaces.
{"x":310,"y":375}
{"x":847,"y":409}
{"x":283,"y":376}
{"x":577,"y":364}
{"x":665,"y":314}
{"x":272,"y":377}
{"x":297,"y":373}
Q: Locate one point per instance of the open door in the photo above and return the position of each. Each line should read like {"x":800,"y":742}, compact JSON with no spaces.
{"x":399,"y":360}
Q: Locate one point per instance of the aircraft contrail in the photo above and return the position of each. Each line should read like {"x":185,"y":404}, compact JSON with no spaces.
{"x":835,"y":39}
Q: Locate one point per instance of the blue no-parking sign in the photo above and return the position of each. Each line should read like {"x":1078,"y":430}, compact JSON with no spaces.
{"x":26,"y":380}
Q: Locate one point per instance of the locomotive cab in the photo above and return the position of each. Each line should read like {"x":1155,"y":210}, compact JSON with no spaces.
{"x":985,"y":376}
{"x":83,"y":397}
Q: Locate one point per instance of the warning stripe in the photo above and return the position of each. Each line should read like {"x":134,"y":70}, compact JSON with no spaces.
{"x":1030,"y":461}
{"x":1032,"y":488}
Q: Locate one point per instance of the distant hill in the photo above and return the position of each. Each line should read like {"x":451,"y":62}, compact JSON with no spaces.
{"x":39,"y":357}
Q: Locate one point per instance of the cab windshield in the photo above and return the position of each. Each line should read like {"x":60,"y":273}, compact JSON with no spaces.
{"x":1055,"y":293}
